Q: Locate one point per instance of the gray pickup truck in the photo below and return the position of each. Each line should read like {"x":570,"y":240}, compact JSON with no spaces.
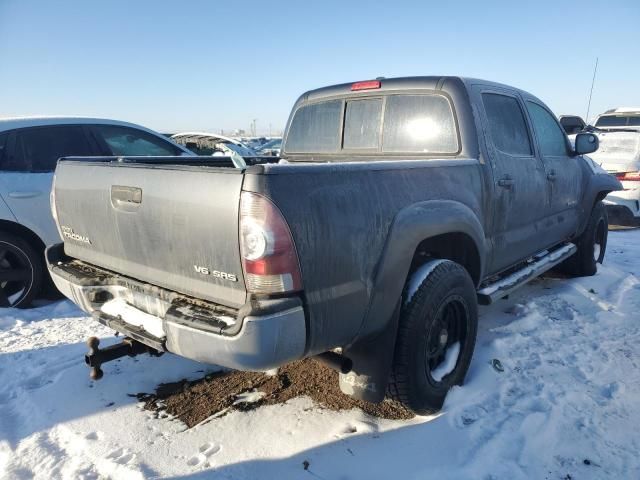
{"x":398,"y":206}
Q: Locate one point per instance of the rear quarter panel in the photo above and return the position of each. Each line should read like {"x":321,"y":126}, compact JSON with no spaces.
{"x":340,"y":216}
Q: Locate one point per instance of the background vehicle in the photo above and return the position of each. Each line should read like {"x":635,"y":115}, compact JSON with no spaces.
{"x":271,"y":148}
{"x":29,"y":150}
{"x":618,"y":131}
{"x":403,"y":202}
{"x":572,"y":124}
{"x":202,"y":143}
{"x":254,"y":142}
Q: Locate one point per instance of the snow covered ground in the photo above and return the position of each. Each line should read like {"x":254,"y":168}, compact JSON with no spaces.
{"x":567,"y":404}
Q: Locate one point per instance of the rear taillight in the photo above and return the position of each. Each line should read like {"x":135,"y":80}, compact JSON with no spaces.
{"x":269,"y":257}
{"x":628,"y":176}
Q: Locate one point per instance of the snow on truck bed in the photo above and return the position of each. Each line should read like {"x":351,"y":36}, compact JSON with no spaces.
{"x":565,"y":406}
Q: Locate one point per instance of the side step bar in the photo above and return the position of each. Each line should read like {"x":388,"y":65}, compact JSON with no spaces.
{"x":535,"y":267}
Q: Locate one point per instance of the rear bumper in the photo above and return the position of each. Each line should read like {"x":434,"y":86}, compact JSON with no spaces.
{"x":629,"y":199}
{"x":257,"y":337}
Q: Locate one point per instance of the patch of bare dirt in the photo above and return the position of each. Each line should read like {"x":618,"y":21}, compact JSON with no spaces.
{"x":614,"y":228}
{"x":195,"y":401}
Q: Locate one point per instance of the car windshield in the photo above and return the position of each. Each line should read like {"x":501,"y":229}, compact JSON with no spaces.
{"x":272,"y":144}
{"x":618,"y":121}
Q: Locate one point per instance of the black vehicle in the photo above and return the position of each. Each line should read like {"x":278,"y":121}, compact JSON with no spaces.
{"x":401,"y":204}
{"x":572,"y":124}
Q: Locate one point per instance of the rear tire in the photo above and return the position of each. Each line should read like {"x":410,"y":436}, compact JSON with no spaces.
{"x":21,"y":271}
{"x":592,"y":245}
{"x":442,"y":312}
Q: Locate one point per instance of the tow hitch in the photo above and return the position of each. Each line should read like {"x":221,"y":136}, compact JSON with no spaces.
{"x":96,"y":356}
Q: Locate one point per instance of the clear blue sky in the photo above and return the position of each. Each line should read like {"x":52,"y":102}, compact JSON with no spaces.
{"x":210,"y":65}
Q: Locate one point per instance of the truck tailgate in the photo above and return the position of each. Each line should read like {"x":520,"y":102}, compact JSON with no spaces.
{"x":175,"y":226}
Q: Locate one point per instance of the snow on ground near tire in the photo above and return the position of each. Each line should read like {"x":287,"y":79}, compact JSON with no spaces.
{"x":566,"y":403}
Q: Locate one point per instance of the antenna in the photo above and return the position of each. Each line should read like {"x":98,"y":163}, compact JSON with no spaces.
{"x":586,"y":119}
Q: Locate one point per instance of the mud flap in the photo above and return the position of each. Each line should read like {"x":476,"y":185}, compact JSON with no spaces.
{"x":372,"y":360}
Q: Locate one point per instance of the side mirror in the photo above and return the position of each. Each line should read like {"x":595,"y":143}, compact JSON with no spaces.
{"x":586,"y":143}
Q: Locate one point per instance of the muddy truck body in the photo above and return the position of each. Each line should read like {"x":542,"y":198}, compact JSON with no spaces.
{"x":399,"y":205}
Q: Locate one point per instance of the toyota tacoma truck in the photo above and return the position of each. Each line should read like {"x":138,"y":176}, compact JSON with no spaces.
{"x":398,"y":206}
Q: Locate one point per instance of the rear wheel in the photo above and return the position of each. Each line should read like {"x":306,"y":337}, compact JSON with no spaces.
{"x":436,"y":338}
{"x":21,"y":272}
{"x":592,"y":245}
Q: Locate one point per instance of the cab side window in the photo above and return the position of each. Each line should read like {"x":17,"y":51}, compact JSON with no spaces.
{"x":550,"y":137}
{"x":126,"y":141}
{"x":507,"y":125}
{"x":38,"y":149}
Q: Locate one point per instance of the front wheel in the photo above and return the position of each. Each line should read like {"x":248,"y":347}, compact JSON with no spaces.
{"x":21,"y":272}
{"x":436,"y":336}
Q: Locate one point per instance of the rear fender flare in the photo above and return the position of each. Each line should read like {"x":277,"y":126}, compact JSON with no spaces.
{"x":373,"y":350}
{"x":410,"y":227}
{"x":599,"y":184}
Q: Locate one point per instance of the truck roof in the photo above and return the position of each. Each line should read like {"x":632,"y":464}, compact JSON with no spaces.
{"x":10,"y":123}
{"x":399,"y":83}
{"x":633,"y":110}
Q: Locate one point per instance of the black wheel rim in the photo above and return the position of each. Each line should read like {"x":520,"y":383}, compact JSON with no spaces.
{"x":448,"y":328}
{"x":598,"y":242}
{"x":16,"y":275}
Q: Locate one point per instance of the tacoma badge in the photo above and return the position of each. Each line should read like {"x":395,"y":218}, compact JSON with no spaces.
{"x":71,"y":235}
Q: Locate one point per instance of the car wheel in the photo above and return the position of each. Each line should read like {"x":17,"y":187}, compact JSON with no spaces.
{"x":436,"y":337}
{"x":21,"y":272}
{"x":591,"y":245}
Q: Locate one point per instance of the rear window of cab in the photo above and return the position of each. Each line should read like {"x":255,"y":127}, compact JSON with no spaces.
{"x":418,"y":124}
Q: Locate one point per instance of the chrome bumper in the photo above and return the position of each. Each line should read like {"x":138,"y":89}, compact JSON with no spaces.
{"x":257,"y":341}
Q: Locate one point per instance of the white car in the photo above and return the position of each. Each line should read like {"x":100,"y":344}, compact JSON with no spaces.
{"x":619,"y":154}
{"x":204,"y":143}
{"x":29,"y":150}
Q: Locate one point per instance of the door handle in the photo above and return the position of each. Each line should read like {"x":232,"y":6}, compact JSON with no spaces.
{"x":24,"y":194}
{"x":551,"y":176}
{"x":121,"y":193}
{"x":505,"y":182}
{"x":127,"y":199}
